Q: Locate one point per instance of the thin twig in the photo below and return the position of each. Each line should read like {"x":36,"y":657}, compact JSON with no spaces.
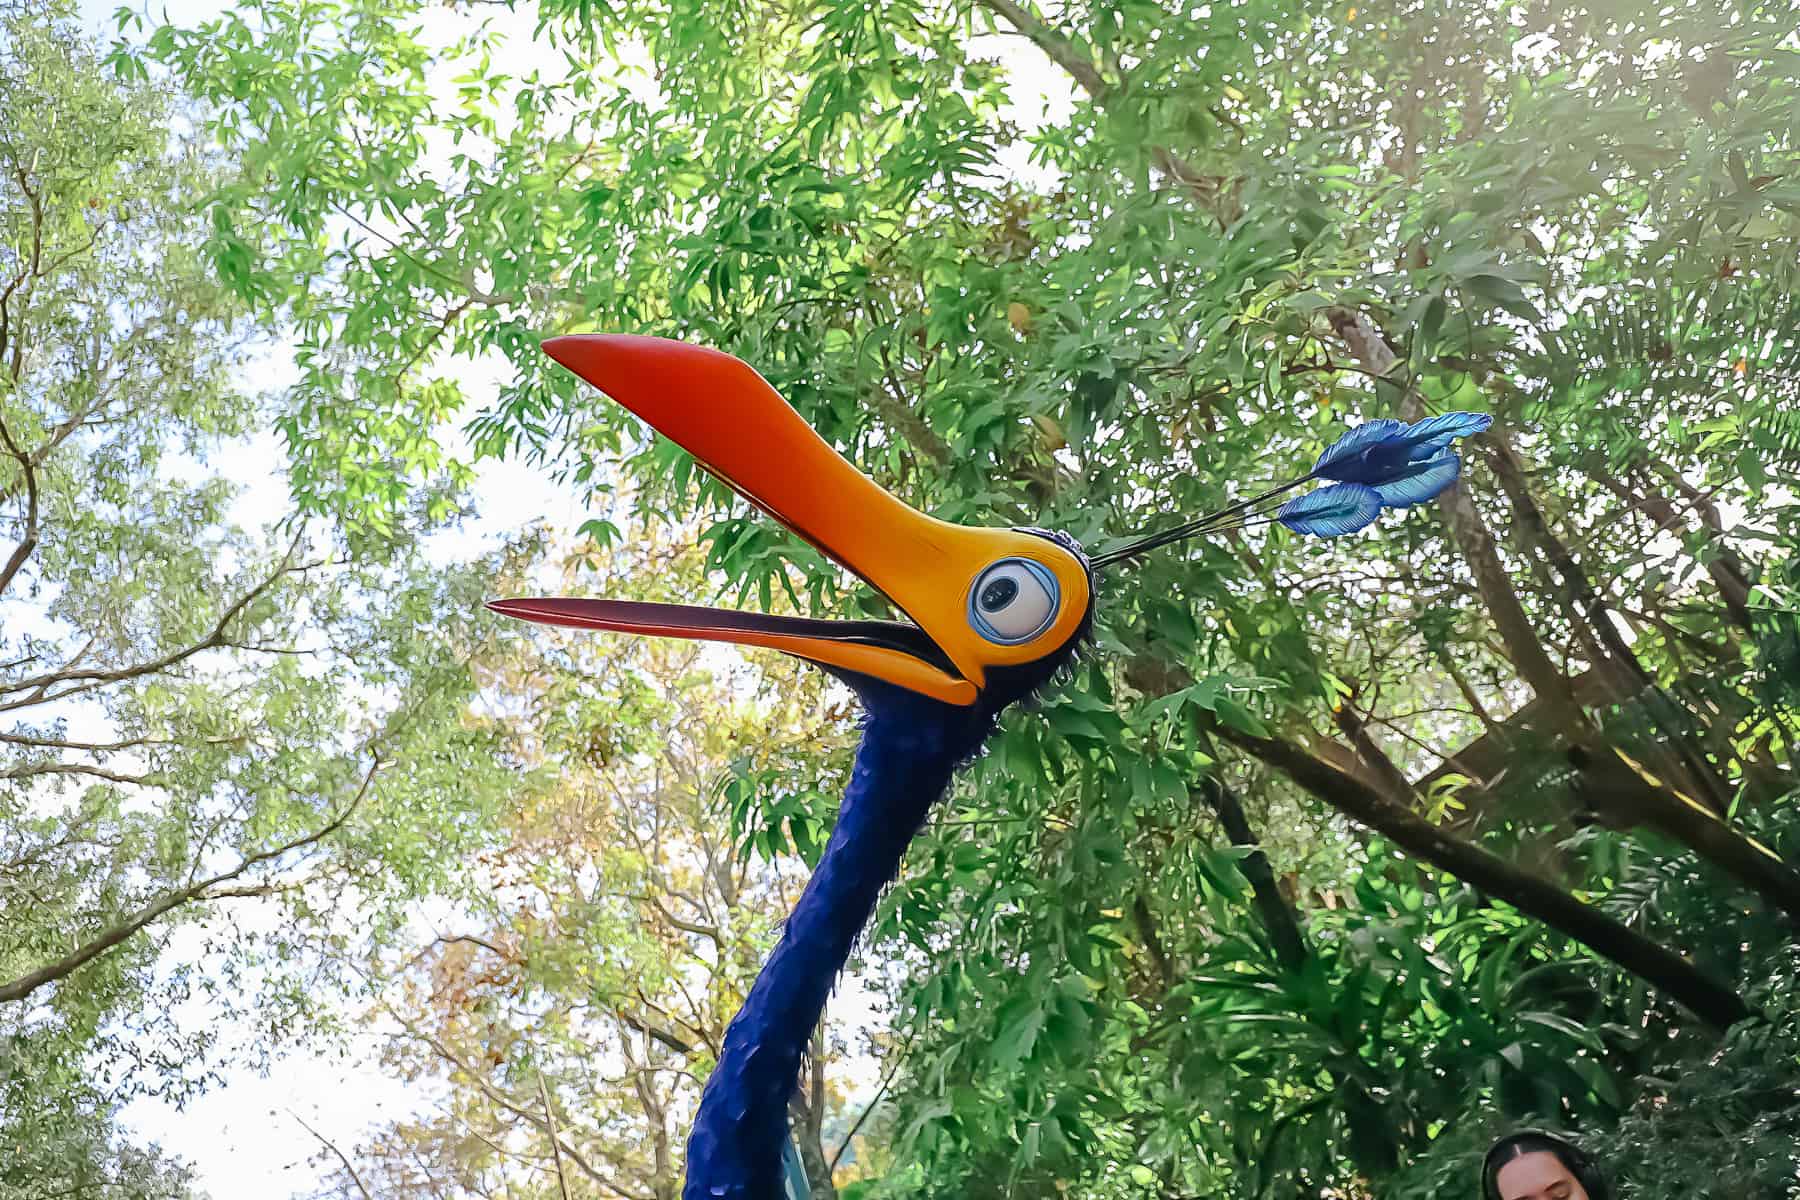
{"x":562,"y":1180}
{"x":341,"y":1156}
{"x":86,"y":681}
{"x":203,"y":890}
{"x":28,"y":542}
{"x":899,"y":1061}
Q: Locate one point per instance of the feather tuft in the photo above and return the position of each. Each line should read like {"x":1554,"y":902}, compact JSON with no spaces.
{"x":1385,"y":451}
{"x":1332,"y":511}
{"x":1435,"y":433}
{"x":1420,"y":480}
{"x":1351,"y":448}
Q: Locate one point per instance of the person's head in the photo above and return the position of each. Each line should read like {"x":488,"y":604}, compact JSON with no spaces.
{"x":1534,"y":1165}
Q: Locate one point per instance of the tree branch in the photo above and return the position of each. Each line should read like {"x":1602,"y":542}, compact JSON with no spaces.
{"x":1059,"y":49}
{"x":504,"y":1101}
{"x":1145,"y":920}
{"x":86,"y":681}
{"x":202,"y":890}
{"x":29,"y":539}
{"x":33,"y":770}
{"x":1085,"y":72}
{"x":31,"y":270}
{"x":53,"y":743}
{"x":1278,"y":917}
{"x":341,"y":1156}
{"x":1687,"y":759}
{"x":869,"y":1108}
{"x":1356,"y":730}
{"x":697,"y":930}
{"x":1657,"y":965}
{"x":562,"y":1179}
{"x":1467,"y":529}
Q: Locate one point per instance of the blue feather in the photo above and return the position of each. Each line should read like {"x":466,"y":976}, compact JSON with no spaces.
{"x":1383,"y":451}
{"x":1354,"y":444}
{"x":1331,"y":511}
{"x":911,"y":746}
{"x":1420,"y":480}
{"x":1434,"y":433}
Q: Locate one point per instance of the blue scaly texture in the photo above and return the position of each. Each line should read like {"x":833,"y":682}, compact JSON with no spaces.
{"x":903,"y":766}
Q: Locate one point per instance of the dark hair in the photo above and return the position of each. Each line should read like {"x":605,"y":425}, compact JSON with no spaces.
{"x":1542,"y":1141}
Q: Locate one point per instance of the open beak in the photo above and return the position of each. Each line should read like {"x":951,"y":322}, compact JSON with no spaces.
{"x":736,"y":426}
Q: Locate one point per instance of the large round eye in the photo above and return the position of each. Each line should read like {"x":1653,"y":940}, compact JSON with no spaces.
{"x":1013,"y":601}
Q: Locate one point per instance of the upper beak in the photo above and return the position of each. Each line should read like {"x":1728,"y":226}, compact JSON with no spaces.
{"x":736,"y":426}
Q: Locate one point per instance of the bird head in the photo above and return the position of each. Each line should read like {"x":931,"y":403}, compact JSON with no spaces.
{"x":992,"y":613}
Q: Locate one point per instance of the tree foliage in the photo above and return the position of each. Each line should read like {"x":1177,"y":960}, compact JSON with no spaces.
{"x":1329,"y":852}
{"x":582,"y":993}
{"x":194,"y":714}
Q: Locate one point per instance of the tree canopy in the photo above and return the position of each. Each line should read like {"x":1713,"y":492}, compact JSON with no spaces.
{"x":1332,"y":858}
{"x":196,"y":714}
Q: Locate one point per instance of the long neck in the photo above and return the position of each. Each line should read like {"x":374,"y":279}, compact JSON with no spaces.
{"x":903,"y":766}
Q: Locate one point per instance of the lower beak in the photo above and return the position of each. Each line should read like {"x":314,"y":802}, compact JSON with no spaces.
{"x":887,"y":650}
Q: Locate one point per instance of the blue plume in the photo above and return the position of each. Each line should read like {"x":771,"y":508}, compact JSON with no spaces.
{"x":1354,"y":444}
{"x":1331,"y":511}
{"x":1379,"y":452}
{"x":1420,"y":480}
{"x":1434,"y":433}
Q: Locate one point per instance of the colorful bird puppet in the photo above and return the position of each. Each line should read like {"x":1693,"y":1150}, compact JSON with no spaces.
{"x":994,"y":613}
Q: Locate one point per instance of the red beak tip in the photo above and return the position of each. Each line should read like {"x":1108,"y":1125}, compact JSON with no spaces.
{"x":561,"y":348}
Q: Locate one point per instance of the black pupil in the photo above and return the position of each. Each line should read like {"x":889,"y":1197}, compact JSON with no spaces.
{"x":996,"y":594}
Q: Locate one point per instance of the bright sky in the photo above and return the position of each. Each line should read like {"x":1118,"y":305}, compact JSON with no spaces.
{"x":244,"y":1138}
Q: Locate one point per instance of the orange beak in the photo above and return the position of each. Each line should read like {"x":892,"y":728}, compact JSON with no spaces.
{"x":1032,"y":594}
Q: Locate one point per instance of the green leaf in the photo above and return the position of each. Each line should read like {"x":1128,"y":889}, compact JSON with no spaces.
{"x":1505,"y":293}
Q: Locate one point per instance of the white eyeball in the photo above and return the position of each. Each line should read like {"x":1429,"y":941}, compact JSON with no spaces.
{"x":1013,"y":601}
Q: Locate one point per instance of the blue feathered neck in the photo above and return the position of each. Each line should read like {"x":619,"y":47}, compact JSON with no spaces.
{"x":910,"y":749}
{"x":911,"y":746}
